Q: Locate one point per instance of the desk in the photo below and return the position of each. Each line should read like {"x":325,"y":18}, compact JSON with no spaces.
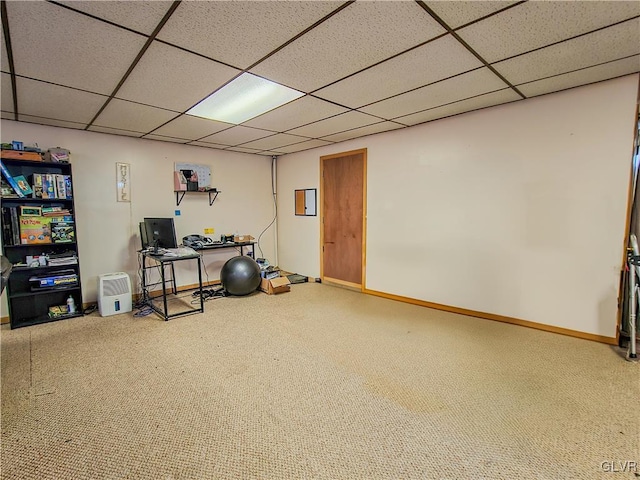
{"x":163,"y":261}
{"x":214,"y":246}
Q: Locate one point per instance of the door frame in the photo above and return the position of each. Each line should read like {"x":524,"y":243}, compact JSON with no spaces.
{"x":363,"y":151}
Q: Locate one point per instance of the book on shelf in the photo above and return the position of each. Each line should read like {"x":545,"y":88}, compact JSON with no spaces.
{"x":61,"y":189}
{"x":10,"y":180}
{"x":7,"y":230}
{"x":67,"y":186}
{"x":15,"y":226}
{"x":59,"y":212}
{"x":37,"y":185}
{"x":60,"y":218}
{"x":49,"y":186}
{"x":23,"y":185}
{"x":52,"y":210}
{"x":7,"y":190}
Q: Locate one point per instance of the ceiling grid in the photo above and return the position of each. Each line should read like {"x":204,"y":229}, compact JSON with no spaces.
{"x":363,"y":66}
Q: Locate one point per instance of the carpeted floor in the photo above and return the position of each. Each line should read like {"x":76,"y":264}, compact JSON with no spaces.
{"x":317,"y":383}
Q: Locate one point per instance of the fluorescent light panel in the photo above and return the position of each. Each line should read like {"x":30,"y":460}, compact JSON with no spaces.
{"x":245,"y":97}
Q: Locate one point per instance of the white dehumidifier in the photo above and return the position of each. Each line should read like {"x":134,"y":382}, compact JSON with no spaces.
{"x":114,"y":293}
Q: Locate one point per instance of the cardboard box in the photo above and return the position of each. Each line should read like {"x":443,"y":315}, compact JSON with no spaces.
{"x":243,"y":238}
{"x":275,"y":285}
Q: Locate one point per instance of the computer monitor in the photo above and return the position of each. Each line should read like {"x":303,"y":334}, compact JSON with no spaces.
{"x":143,"y":235}
{"x":161,"y":233}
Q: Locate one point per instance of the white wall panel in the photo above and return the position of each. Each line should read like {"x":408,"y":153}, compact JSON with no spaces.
{"x":516,"y":210}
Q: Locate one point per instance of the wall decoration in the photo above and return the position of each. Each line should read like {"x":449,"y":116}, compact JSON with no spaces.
{"x":123,"y":182}
{"x":305,"y":202}
{"x":191,"y":177}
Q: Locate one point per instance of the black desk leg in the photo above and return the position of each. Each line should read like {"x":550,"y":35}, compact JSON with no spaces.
{"x":145,"y":288}
{"x":200,"y":283}
{"x":164,"y":292}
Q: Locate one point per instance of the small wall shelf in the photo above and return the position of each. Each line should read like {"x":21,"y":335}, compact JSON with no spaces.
{"x":213,"y":194}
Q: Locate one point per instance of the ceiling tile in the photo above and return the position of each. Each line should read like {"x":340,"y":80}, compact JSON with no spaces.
{"x":336,"y":124}
{"x":358,"y":36}
{"x":536,"y":24}
{"x":294,"y":114}
{"x":50,"y":121}
{"x":3,"y":52}
{"x":274,"y":141}
{"x":95,"y":60}
{"x":240,"y":33}
{"x":53,"y":101}
{"x":363,"y":131}
{"x":191,"y":128}
{"x":114,"y":131}
{"x":171,"y":78}
{"x":298,"y":147}
{"x":7,"y":93}
{"x":132,"y":116}
{"x":142,"y":15}
{"x":605,"y":45}
{"x":457,"y":88}
{"x":236,"y":135}
{"x":582,"y":77}
{"x":162,"y":138}
{"x":434,"y":61}
{"x":482,"y":101}
{"x":458,"y":13}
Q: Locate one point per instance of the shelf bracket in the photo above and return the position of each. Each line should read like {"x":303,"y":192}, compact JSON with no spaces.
{"x":213,"y":194}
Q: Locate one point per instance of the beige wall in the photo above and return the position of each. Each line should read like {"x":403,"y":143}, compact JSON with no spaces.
{"x":108,"y":234}
{"x":517,"y":210}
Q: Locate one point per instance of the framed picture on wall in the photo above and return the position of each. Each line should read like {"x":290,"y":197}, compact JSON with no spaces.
{"x":191,"y":177}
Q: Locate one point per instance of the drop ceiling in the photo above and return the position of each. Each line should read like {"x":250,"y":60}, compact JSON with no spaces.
{"x":133,"y":68}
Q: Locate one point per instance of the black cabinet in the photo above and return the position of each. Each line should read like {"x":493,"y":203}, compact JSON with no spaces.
{"x":36,"y":285}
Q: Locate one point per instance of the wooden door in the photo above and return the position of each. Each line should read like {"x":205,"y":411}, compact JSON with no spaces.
{"x":343,"y":204}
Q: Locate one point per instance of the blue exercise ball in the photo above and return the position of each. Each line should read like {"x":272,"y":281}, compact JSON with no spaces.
{"x":240,"y":275}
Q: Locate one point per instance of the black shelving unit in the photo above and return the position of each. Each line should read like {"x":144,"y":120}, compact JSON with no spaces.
{"x":29,"y":305}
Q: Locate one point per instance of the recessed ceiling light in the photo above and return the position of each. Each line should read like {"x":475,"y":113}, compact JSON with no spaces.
{"x":245,"y":97}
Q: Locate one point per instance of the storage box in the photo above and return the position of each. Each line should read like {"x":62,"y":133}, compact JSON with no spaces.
{"x":57,"y":155}
{"x":53,"y":281}
{"x":243,"y":238}
{"x":275,"y":285}
{"x":35,"y":230}
{"x":21,"y":155}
